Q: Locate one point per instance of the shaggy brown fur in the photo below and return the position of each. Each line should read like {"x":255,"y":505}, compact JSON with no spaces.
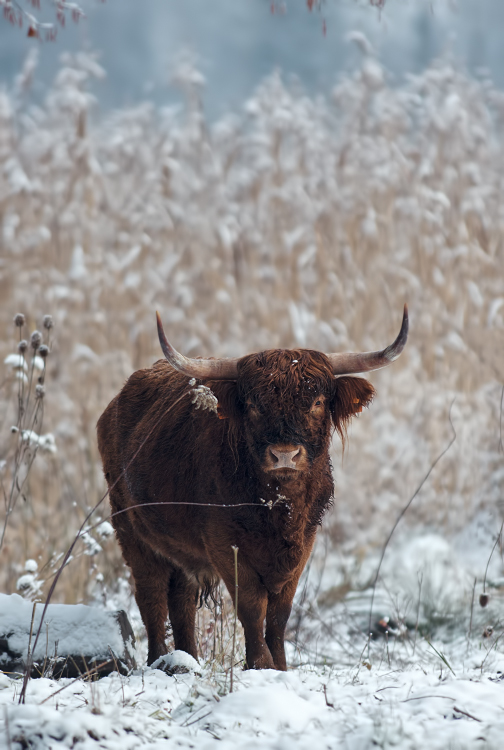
{"x":282,"y":400}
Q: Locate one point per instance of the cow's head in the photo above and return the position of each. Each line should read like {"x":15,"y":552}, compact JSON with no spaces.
{"x":285,"y":401}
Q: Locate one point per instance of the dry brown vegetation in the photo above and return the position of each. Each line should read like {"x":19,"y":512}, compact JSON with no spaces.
{"x":298,"y":221}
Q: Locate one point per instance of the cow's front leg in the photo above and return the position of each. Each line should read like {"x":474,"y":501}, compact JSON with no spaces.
{"x":277,"y":616}
{"x":252,"y":606}
{"x":278,"y":612}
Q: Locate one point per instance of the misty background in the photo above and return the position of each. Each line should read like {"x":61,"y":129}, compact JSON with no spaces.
{"x":236,"y":44}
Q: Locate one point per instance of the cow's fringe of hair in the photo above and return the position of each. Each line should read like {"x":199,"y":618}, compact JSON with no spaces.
{"x":352,"y":394}
{"x":208,"y":590}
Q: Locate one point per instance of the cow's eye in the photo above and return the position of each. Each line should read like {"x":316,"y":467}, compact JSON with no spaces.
{"x":253,"y":409}
{"x":317,"y":403}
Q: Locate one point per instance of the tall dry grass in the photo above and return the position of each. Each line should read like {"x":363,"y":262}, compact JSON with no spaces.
{"x":295,"y":221}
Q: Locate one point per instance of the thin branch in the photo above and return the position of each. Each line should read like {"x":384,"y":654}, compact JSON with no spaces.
{"x":80,"y":677}
{"x":235,"y":553}
{"x":408,"y":504}
{"x":499,"y":537}
{"x":501,"y":447}
{"x":22,"y":695}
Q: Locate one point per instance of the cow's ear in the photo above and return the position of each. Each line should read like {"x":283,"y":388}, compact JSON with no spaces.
{"x":228,"y":405}
{"x":350,"y":395}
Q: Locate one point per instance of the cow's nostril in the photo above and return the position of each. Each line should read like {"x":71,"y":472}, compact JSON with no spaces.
{"x":273,"y":455}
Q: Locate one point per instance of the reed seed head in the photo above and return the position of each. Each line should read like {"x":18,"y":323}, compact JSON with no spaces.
{"x":36,"y":340}
{"x":19,"y":320}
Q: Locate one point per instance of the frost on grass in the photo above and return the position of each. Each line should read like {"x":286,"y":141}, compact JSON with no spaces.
{"x":46,"y":443}
{"x":28,"y":584}
{"x":310,"y":707}
{"x":16,"y":361}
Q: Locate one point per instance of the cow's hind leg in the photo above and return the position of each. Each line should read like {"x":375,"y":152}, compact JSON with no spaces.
{"x":151,"y":574}
{"x":182,"y":600}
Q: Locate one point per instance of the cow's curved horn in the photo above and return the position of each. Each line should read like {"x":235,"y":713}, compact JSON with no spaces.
{"x":348,"y":363}
{"x":202,"y":369}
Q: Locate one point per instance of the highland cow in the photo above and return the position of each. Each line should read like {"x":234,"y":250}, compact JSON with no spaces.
{"x":255,"y":474}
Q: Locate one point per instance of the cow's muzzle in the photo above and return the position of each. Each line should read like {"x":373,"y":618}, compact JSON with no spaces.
{"x":283,"y":458}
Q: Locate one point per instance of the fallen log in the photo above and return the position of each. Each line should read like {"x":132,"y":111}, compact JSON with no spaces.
{"x":75,"y":639}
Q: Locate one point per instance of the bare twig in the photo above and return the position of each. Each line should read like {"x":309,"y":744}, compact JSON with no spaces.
{"x":501,"y":447}
{"x":408,"y":504}
{"x":22,"y":695}
{"x":420,"y":582}
{"x":327,"y":702}
{"x":7,"y":729}
{"x":31,"y":630}
{"x":497,"y":541}
{"x":472,"y":609}
{"x":80,"y":677}
{"x":235,"y":553}
{"x":464,"y":713}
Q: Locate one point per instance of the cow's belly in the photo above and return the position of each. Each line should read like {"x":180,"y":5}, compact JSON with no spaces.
{"x":183,"y":550}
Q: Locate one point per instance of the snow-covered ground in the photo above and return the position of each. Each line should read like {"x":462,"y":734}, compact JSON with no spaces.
{"x":423,"y":706}
{"x":436,"y":680}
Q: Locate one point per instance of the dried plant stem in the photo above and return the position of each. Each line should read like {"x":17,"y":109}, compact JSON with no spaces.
{"x":16,"y":489}
{"x":7,"y":728}
{"x":26,"y":678}
{"x":235,"y":553}
{"x":80,"y":677}
{"x":403,"y":511}
{"x":472,"y":609}
{"x":420,"y":582}
{"x":31,"y":630}
{"x":497,"y":541}
{"x":501,"y":447}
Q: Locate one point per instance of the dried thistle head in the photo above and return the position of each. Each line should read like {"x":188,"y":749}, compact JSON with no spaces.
{"x":22,"y":346}
{"x":43,"y":351}
{"x":35,"y":340}
{"x":203,"y":398}
{"x":47,"y":322}
{"x":19,"y":320}
{"x":39,"y":391}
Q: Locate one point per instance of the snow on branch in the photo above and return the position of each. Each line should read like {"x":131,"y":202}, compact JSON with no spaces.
{"x":21,"y":13}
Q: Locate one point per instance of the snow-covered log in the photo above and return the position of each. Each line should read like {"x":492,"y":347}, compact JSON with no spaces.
{"x":75,"y":639}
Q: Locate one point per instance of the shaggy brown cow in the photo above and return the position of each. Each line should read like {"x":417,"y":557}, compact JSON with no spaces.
{"x":259,"y":478}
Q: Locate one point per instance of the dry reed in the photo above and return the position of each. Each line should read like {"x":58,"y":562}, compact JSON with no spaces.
{"x":297,"y":222}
